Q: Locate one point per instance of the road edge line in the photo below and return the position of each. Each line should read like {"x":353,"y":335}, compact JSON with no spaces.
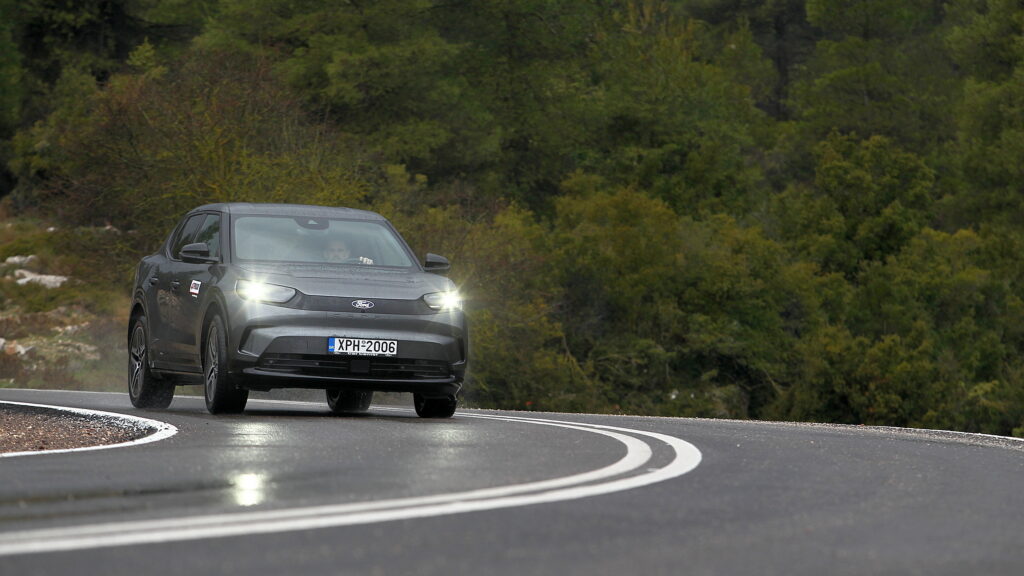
{"x":162,"y":430}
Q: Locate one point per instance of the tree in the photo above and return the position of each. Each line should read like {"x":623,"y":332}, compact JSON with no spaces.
{"x":150,"y":145}
{"x":940,"y":309}
{"x":881,"y":70}
{"x":381,"y":70}
{"x":10,"y":73}
{"x":677,"y":316}
{"x":987,"y":43}
{"x":781,"y":30}
{"x":11,"y":91}
{"x":869,"y":198}
{"x":675,"y":123}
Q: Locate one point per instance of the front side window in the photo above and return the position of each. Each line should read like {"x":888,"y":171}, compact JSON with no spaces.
{"x":185,"y":234}
{"x":209,"y":233}
{"x":314,"y":240}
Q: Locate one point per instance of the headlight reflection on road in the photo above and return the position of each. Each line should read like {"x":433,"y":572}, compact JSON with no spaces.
{"x":451,"y":443}
{"x":249,"y":489}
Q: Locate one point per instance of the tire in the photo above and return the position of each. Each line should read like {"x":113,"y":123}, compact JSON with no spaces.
{"x":144,"y":388}
{"x":434,"y":407}
{"x":348,"y":401}
{"x":222,"y":396}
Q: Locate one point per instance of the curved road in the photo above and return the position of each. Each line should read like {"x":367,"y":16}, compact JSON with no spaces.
{"x":288,"y":488}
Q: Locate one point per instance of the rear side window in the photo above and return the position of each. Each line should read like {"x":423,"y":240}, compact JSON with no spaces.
{"x":209,"y":232}
{"x":185,"y":234}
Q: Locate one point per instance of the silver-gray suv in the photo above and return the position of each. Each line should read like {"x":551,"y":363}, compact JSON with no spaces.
{"x":248,"y":297}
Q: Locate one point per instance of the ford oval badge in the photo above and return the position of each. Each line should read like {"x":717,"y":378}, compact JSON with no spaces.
{"x":362,"y":304}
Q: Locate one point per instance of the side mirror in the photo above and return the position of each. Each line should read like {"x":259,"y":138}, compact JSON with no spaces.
{"x":197,"y":253}
{"x":436,"y":264}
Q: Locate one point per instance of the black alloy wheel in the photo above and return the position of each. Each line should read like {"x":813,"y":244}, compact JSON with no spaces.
{"x":144,"y":389}
{"x":434,"y":407}
{"x":348,"y":401}
{"x":222,"y":396}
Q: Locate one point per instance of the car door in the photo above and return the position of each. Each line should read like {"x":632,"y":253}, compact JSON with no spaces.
{"x":194,"y":281}
{"x":167,"y":299}
{"x":160,"y":293}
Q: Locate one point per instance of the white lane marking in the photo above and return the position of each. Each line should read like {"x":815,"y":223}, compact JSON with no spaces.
{"x":638,"y":454}
{"x":163,"y":429}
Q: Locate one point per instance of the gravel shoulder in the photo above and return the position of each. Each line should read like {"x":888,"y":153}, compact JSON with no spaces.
{"x":30,"y":429}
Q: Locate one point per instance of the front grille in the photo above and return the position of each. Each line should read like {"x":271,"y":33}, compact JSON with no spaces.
{"x":355,"y":366}
{"x":381,"y":306}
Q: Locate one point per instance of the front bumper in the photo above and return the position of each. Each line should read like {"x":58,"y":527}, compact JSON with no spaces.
{"x":261,"y":379}
{"x":276,"y":347}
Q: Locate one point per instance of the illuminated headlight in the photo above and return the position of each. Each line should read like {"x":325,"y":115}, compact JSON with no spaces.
{"x":261,"y":292}
{"x":443,"y":300}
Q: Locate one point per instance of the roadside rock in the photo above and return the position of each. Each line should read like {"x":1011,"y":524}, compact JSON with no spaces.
{"x":20,"y":260}
{"x":46,"y":280}
{"x":12,"y":348}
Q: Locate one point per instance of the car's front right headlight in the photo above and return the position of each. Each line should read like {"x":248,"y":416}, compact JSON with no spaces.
{"x":443,"y":300}
{"x":263,"y":292}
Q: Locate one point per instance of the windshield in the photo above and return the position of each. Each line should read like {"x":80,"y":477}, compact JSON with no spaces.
{"x":309,"y":240}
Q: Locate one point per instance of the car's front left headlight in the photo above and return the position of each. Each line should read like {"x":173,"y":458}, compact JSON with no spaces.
{"x":444,"y":300}
{"x":263,"y":292}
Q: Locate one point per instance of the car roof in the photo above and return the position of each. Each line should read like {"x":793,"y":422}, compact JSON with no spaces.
{"x":250,"y":208}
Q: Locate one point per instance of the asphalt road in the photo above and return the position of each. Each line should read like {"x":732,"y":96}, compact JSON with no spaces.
{"x":287,"y":488}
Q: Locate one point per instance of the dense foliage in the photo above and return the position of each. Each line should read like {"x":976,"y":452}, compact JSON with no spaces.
{"x":735,"y":208}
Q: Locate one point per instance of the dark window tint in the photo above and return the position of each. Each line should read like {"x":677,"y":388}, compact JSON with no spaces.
{"x":209,"y":232}
{"x":185,"y":234}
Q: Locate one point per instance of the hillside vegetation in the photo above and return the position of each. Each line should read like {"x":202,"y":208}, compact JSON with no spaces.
{"x":778,"y":209}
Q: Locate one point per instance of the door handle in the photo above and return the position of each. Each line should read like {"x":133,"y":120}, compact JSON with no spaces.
{"x":152,"y":280}
{"x":175,"y":284}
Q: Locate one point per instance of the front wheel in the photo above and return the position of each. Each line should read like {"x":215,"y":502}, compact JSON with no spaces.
{"x":434,"y":407}
{"x":222,"y":397}
{"x":348,"y":401}
{"x":144,"y":389}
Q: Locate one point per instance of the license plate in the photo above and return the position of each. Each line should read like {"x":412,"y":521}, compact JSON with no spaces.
{"x":362,"y":347}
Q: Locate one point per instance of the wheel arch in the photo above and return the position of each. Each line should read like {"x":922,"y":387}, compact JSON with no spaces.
{"x":216,"y":306}
{"x":138,"y":309}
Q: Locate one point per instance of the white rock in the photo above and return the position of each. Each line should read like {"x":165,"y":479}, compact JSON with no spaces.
{"x":15,"y":348}
{"x":47,"y":280}
{"x":20,"y":260}
{"x":70,"y":329}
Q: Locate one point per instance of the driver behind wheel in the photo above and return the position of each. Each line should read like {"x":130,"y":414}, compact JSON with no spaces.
{"x":337,"y":251}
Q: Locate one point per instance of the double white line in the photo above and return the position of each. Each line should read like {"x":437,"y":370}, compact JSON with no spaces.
{"x":616,"y":477}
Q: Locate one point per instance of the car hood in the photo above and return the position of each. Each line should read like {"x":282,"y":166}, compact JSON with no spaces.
{"x":349,"y":281}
